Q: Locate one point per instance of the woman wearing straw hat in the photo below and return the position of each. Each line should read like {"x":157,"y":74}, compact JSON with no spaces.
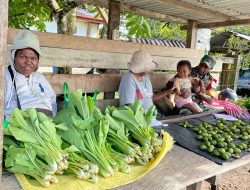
{"x":24,"y":86}
{"x":136,"y":83}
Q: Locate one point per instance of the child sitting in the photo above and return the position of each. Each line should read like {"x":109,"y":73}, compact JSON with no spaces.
{"x":183,"y":84}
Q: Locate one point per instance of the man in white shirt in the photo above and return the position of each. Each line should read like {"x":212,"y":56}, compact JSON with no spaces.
{"x":24,"y":86}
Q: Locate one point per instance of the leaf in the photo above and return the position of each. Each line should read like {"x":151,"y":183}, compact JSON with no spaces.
{"x":133,"y":30}
{"x":72,"y":148}
{"x":102,"y":133}
{"x":23,"y":135}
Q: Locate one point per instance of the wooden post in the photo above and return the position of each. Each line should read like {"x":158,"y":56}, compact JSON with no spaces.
{"x":114,"y":18}
{"x":3,"y":60}
{"x":192,"y":31}
{"x":195,"y":186}
{"x":113,"y":24}
{"x":237,"y":71}
{"x":214,"y":182}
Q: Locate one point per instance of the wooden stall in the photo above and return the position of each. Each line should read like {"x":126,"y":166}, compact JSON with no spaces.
{"x":71,"y":51}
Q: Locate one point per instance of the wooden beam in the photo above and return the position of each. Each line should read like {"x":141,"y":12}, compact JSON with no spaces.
{"x":238,"y":64}
{"x":109,"y":60}
{"x":114,"y":18}
{"x":137,"y":11}
{"x":220,"y":24}
{"x":192,"y":32}
{"x":179,"y":118}
{"x":103,"y":14}
{"x":77,"y":43}
{"x":101,"y":82}
{"x":224,"y":23}
{"x":196,"y":9}
{"x":3,"y":62}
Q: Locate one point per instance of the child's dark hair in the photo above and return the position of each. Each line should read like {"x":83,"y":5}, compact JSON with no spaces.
{"x":184,"y":63}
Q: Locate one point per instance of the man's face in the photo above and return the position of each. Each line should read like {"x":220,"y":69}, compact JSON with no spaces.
{"x":26,"y":61}
{"x":203,"y":69}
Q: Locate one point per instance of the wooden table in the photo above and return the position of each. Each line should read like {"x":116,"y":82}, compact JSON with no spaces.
{"x":179,"y":169}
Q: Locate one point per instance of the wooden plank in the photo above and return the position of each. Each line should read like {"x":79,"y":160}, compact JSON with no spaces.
{"x":181,"y":168}
{"x":101,"y":82}
{"x":228,"y":60}
{"x":225,"y":23}
{"x":172,"y":119}
{"x":192,"y":33}
{"x":9,"y":182}
{"x":237,"y":71}
{"x":102,"y":104}
{"x":100,"y":45}
{"x":103,"y":14}
{"x":3,"y":61}
{"x":178,"y":169}
{"x":105,"y":60}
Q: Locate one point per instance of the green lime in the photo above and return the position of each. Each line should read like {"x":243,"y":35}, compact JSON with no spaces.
{"x":237,"y":150}
{"x":231,"y":145}
{"x":216,"y":153}
{"x":224,"y":156}
{"x":199,"y":137}
{"x":210,"y":148}
{"x":203,"y":147}
{"x":222,"y":150}
{"x":230,"y":150}
{"x":220,"y":144}
{"x":213,"y":142}
{"x":221,"y":139}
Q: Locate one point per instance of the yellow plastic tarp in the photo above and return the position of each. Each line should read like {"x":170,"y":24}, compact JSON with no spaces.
{"x":119,"y":179}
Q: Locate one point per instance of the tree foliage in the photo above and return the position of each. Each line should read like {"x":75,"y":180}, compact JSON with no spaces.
{"x":170,"y":31}
{"x":235,"y":29}
{"x":237,"y":45}
{"x":24,"y":14}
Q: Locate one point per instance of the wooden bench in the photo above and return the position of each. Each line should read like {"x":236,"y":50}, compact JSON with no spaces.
{"x":174,"y":172}
{"x":81,"y":52}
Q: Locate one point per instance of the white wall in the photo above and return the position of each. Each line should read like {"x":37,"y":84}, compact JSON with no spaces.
{"x":81,"y":28}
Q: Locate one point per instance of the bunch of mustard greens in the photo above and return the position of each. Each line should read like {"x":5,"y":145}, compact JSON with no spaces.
{"x":80,"y":141}
{"x":33,"y":146}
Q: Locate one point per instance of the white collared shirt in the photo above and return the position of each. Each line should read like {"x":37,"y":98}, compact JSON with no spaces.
{"x":33,"y":92}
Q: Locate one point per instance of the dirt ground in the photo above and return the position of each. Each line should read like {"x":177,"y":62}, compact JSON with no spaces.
{"x":238,"y":179}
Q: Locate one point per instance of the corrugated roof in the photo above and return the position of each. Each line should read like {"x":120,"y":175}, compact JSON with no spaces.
{"x":202,"y":11}
{"x":160,"y":42}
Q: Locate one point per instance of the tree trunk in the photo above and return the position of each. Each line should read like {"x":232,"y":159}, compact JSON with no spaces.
{"x":66,"y":23}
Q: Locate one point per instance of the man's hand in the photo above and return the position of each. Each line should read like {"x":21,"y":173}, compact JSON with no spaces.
{"x":202,"y":90}
{"x":196,"y":82}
